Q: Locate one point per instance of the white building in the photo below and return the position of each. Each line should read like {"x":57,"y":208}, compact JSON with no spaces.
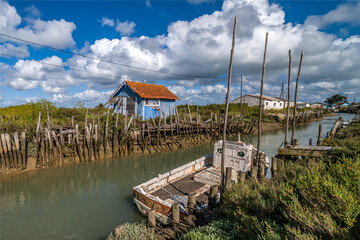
{"x":267,"y":103}
{"x":302,"y":105}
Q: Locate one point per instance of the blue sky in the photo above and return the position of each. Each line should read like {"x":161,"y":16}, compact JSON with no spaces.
{"x":190,"y":38}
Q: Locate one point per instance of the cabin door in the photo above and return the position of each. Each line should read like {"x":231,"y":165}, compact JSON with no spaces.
{"x":130,"y":106}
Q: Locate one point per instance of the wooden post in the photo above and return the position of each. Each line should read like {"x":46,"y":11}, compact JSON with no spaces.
{"x":151,"y":218}
{"x":310,"y":141}
{"x":10,"y":151}
{"x":192,"y":203}
{"x":295,"y":98}
{"x":77,"y":143}
{"x":95,"y":144}
{"x":296,"y":141}
{"x":260,"y":102}
{"x":58,"y":146}
{"x":286,"y":142}
{"x":48,"y":116}
{"x":254,"y":172}
{"x":17,"y":150}
{"x":5,"y":150}
{"x":189,"y":112}
{"x":319,"y":135}
{"x":175,"y":212}
{"x":274,"y":167}
{"x":4,"y":160}
{"x":212,"y":196}
{"x":106,"y":133}
{"x":227,"y":106}
{"x":261,"y":168}
{"x":228,"y":177}
{"x":242,"y":177}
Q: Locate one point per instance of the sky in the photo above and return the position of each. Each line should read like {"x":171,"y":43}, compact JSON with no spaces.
{"x":81,"y":51}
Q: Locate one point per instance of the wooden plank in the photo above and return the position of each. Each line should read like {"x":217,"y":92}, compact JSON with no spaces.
{"x":301,"y":152}
{"x":17,"y":150}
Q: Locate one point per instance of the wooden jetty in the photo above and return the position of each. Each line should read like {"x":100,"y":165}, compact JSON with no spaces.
{"x":306,"y":151}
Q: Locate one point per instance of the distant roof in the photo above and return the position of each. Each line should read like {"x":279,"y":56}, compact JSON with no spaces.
{"x":149,"y":91}
{"x":267,"y":98}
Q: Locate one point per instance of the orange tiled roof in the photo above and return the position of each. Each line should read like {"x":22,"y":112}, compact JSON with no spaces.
{"x":151,"y":91}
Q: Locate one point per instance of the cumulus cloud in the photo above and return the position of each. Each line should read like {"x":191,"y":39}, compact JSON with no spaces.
{"x":125,"y":28}
{"x":201,"y":47}
{"x":55,"y":33}
{"x":89,"y":97}
{"x":107,"y":22}
{"x":344,"y":13}
{"x":47,"y":73}
{"x":8,"y":50}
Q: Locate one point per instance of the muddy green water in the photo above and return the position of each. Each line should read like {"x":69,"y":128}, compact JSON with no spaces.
{"x":87,"y":200}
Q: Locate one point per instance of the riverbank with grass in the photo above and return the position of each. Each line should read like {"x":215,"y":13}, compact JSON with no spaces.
{"x":308,"y":199}
{"x":41,"y":135}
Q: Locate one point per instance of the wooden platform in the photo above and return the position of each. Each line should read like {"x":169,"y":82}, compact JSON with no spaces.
{"x":185,"y":186}
{"x":307,"y":151}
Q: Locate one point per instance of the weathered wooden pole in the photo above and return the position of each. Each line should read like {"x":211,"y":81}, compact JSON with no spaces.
{"x":212,"y":196}
{"x":227,"y":106}
{"x":192,"y":203}
{"x":106,"y":133}
{"x":319,"y":135}
{"x":175,"y":212}
{"x":242,"y":177}
{"x":228,"y":177}
{"x":274,"y":167}
{"x":260,"y":101}
{"x":151,"y":218}
{"x":286,"y":142}
{"x":295,"y":98}
{"x":310,"y":141}
{"x":48,"y":116}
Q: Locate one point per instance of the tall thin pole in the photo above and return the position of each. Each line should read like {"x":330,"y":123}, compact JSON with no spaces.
{"x":260,"y":102}
{"x":295,"y":99}
{"x":227,"y":106}
{"x":289,"y":99}
{"x":241,"y":100}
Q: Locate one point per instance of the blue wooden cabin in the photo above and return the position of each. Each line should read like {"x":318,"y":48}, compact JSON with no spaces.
{"x":143,"y":100}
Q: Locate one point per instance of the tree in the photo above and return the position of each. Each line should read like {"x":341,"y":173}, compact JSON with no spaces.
{"x":337,"y":98}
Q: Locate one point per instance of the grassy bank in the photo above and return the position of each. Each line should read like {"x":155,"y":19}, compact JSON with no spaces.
{"x":310,"y":199}
{"x":21,"y":117}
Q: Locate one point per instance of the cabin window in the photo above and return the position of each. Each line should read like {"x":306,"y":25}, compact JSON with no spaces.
{"x":152,"y":102}
{"x":241,"y":154}
{"x":280,"y":104}
{"x":274,"y":103}
{"x":219,"y":150}
{"x":267,"y":103}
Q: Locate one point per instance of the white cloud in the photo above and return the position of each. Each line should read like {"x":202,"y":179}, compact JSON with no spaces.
{"x":28,"y":74}
{"x":107,"y":22}
{"x":125,"y":28}
{"x":89,"y":97}
{"x":148,"y":3}
{"x":345,"y":13}
{"x":20,"y":51}
{"x":55,"y":33}
{"x":196,"y":2}
{"x":201,"y":47}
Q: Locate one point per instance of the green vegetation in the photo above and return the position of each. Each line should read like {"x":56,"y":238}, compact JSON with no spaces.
{"x":21,"y":117}
{"x":310,"y":199}
{"x":337,"y":98}
{"x":134,"y":231}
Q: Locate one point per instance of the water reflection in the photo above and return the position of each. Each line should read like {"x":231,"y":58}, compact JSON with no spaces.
{"x":85,"y":201}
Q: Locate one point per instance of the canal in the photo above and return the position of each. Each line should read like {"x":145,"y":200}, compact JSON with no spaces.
{"x":87,"y":200}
